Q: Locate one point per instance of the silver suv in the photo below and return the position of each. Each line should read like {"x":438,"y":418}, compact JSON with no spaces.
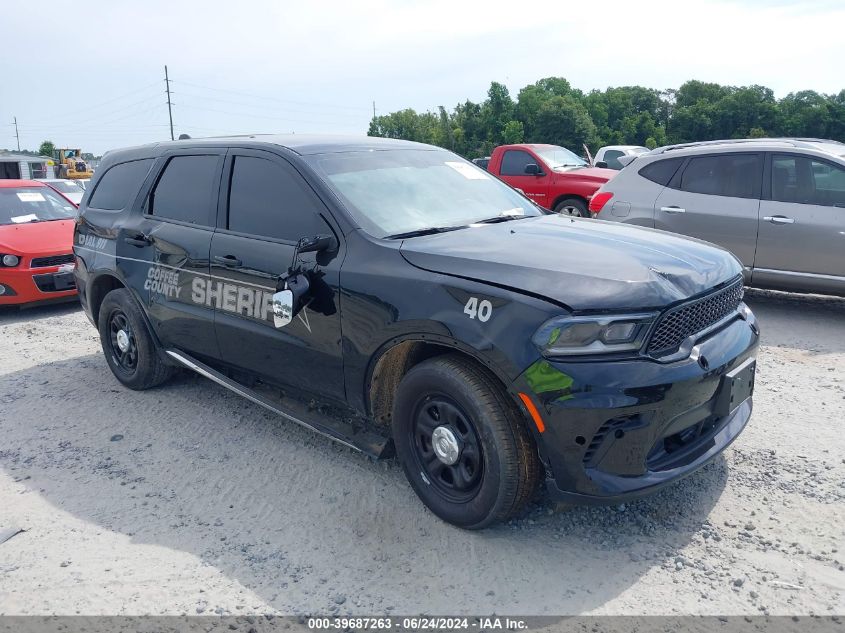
{"x":777,"y":204}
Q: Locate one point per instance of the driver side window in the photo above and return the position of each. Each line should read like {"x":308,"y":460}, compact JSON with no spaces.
{"x":271,"y":200}
{"x":514,"y":162}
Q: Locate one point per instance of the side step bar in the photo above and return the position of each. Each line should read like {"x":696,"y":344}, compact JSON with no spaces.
{"x":372,"y":444}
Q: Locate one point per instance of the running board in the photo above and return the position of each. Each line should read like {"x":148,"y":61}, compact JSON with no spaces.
{"x":372,"y":444}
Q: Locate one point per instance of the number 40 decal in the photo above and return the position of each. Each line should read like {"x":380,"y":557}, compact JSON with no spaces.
{"x":482,"y":309}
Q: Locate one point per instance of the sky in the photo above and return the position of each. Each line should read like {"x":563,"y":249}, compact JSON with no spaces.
{"x":93,"y":76}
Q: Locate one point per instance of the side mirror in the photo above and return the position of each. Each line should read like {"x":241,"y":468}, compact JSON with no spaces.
{"x":533,"y":169}
{"x":287,"y":302}
{"x":282,"y":308}
{"x":601,"y":164}
{"x":316,"y":244}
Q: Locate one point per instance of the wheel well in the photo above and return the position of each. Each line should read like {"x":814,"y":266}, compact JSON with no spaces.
{"x":392,"y":366}
{"x":568,"y":196}
{"x":99,"y":289}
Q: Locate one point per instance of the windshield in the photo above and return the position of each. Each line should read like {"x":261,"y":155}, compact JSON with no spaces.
{"x":399,"y":191}
{"x":555,"y":157}
{"x":33,"y":204}
{"x":66,"y":186}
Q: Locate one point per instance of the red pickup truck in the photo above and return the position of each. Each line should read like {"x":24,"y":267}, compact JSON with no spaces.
{"x":550,"y":175}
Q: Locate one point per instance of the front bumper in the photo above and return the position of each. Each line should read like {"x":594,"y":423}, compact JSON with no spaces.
{"x":22,"y":284}
{"x":619,"y":430}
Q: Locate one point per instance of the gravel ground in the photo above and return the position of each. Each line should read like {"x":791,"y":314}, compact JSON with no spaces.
{"x":188,"y":499}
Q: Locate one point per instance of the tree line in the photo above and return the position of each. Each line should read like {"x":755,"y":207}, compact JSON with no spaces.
{"x":552,"y":111}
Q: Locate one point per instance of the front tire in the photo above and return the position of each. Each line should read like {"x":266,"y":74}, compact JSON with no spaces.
{"x":127,"y":343}
{"x":462,"y":443}
{"x":573,"y":207}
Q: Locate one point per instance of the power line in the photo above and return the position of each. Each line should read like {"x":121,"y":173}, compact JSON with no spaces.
{"x":254,"y":105}
{"x":254,"y":116}
{"x":254,"y":96}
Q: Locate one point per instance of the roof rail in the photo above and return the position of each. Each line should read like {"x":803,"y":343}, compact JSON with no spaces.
{"x":805,"y":143}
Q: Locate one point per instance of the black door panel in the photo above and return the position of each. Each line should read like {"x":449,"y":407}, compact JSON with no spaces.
{"x":165,"y":248}
{"x":268,"y":195}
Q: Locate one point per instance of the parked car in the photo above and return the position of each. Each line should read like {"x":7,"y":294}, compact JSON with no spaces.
{"x":36,"y":234}
{"x":482,"y":162}
{"x":777,"y":204}
{"x":552,"y":176}
{"x":609,"y":155}
{"x":426,"y":308}
{"x":70,"y":189}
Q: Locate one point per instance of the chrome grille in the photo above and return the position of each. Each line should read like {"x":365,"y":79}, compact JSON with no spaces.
{"x":688,"y":318}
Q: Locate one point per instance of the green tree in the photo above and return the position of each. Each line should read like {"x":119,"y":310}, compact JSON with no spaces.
{"x":46,"y":148}
{"x":514,"y":132}
{"x":565,"y":121}
{"x":552,"y":111}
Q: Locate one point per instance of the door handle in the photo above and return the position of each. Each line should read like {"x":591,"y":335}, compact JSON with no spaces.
{"x":673,"y":209}
{"x":138,"y":239}
{"x":779,"y":219}
{"x":228,"y":260}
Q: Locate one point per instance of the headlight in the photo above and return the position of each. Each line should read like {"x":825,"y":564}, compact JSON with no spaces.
{"x":11,"y":260}
{"x":600,"y":334}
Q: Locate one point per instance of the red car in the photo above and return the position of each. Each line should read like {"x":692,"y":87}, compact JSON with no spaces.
{"x":36,"y":243}
{"x":551,"y":176}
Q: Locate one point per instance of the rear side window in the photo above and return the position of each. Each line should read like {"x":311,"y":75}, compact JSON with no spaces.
{"x":514,"y":162}
{"x":661,"y":171}
{"x":268,"y":199}
{"x":118,"y":187}
{"x":186,"y":190}
{"x":732,"y":175}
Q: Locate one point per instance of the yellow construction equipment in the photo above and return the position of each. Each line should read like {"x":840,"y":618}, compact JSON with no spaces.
{"x":69,"y":164}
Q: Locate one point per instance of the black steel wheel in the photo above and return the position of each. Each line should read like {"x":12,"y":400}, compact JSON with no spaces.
{"x":130,"y":349}
{"x":447,"y":447}
{"x":123,"y":347}
{"x":463,"y":444}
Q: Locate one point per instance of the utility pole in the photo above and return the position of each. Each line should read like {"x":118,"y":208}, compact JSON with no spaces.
{"x":17,"y":136}
{"x":374,"y":110}
{"x":169,"y":111}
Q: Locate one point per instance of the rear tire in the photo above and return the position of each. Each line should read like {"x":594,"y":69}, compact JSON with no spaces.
{"x":572,"y":207}
{"x":496,"y":470}
{"x":127,"y":343}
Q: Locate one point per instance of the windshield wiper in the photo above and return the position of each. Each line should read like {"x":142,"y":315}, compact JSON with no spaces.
{"x":501,"y":218}
{"x":427,"y":231}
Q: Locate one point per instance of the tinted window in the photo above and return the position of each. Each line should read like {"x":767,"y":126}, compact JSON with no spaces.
{"x":661,"y":171}
{"x":611,"y":157}
{"x":733,"y":175}
{"x":807,"y":181}
{"x":272,"y":200}
{"x":186,"y":190}
{"x":118,"y":187}
{"x":514,"y":162}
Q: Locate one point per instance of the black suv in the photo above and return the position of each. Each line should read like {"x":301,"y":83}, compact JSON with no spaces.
{"x":427,"y":308}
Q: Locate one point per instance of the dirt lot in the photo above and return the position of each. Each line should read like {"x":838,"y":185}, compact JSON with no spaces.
{"x":190,"y":500}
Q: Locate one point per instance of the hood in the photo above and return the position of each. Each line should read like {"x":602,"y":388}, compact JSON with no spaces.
{"x":586,"y":265}
{"x":38,"y":238}
{"x":599,"y":174}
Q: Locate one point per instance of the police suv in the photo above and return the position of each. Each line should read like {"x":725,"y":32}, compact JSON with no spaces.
{"x":431,"y":310}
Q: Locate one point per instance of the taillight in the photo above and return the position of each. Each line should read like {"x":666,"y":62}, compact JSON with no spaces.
{"x":598,"y":201}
